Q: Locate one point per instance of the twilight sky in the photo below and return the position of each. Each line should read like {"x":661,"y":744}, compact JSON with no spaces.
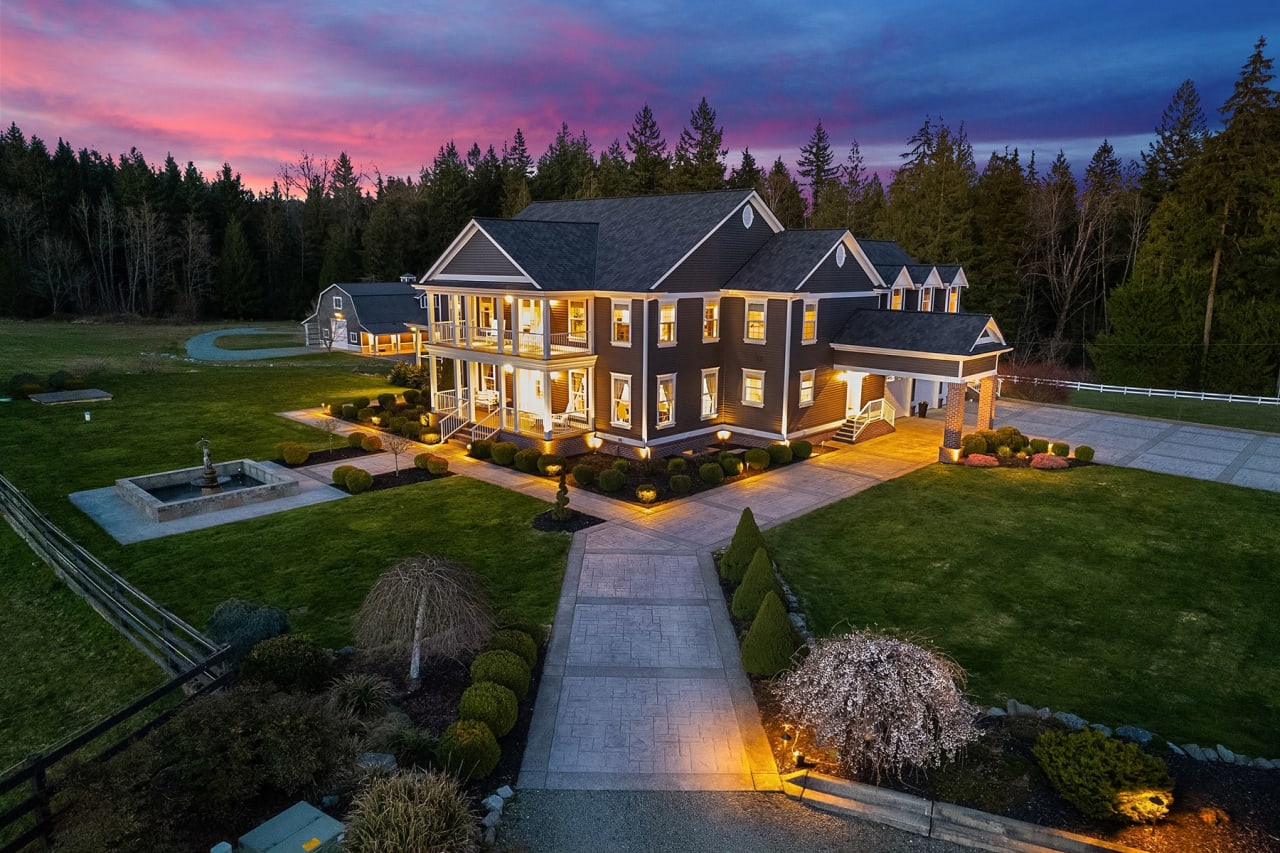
{"x":257,"y":82}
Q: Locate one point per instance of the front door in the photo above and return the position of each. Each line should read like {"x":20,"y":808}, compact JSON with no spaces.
{"x":340,"y":333}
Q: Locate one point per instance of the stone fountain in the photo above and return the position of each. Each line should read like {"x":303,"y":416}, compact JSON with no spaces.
{"x":209,"y":482}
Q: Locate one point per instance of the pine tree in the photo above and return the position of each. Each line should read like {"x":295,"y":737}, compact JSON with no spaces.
{"x":611,"y":175}
{"x":450,"y":205}
{"x":747,"y":175}
{"x":238,"y":276}
{"x":565,"y":168}
{"x":930,"y":210}
{"x":816,"y":162}
{"x":781,"y":192}
{"x":758,"y":582}
{"x":516,"y":165}
{"x":699,"y":159}
{"x":650,"y":165}
{"x":1000,"y":199}
{"x":1179,"y":140}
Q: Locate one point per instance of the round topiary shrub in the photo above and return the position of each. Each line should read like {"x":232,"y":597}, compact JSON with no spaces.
{"x":1011,"y":437}
{"x":677,"y":465}
{"x":611,"y":480}
{"x":355,"y":439}
{"x":646,"y":493}
{"x":972,"y":444}
{"x":364,"y":415}
{"x":340,"y":474}
{"x":622,"y":465}
{"x":711,"y":473}
{"x":437,"y":465}
{"x":757,"y":459}
{"x":584,"y":475}
{"x":731,"y":465}
{"x":371,"y":443}
{"x":491,"y":704}
{"x":1084,"y":453}
{"x":771,"y":641}
{"x":387,"y":402}
{"x":349,"y":411}
{"x":1039,"y":445}
{"x":504,"y":452}
{"x":990,"y":438}
{"x":358,"y":480}
{"x":420,"y":461}
{"x":430,"y":438}
{"x":334,"y":409}
{"x":294,"y":453}
{"x":411,"y":396}
{"x":469,"y":750}
{"x":780,"y":454}
{"x":411,"y":430}
{"x":482,"y":449}
{"x":515,"y":640}
{"x":1060,"y":448}
{"x":505,"y":668}
{"x":802,"y":449}
{"x":680,"y":484}
{"x":291,"y":662}
{"x":1105,"y":778}
{"x":550,"y":465}
{"x":409,"y":811}
{"x":527,"y":460}
{"x":360,"y":402}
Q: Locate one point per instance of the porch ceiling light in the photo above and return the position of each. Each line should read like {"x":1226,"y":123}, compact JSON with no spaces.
{"x":594,"y":442}
{"x":722,"y":435}
{"x":507,"y":299}
{"x":506,"y":368}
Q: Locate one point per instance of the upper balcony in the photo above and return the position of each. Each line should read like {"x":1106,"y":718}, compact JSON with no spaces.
{"x":539,"y":327}
{"x":490,"y":338}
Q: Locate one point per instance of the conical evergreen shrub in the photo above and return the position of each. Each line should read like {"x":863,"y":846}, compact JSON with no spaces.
{"x":758,"y":582}
{"x":746,"y":539}
{"x":769,"y":645}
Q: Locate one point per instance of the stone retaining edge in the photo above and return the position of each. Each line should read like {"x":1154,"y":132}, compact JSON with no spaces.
{"x":943,"y":821}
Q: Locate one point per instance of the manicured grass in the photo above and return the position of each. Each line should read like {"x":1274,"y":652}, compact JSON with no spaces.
{"x":271,"y":341}
{"x":1120,"y":595}
{"x":1238,"y":415}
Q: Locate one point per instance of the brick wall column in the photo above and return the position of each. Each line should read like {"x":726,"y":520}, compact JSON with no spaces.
{"x":987,"y":403}
{"x":953,"y":423}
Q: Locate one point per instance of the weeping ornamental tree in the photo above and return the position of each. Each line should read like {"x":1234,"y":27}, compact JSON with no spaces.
{"x":426,"y":601}
{"x":881,"y":703}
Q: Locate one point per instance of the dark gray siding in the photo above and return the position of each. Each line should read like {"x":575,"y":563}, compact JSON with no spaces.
{"x":897,"y":363}
{"x":724,"y":253}
{"x":687,"y":360}
{"x":829,"y":278}
{"x":830,"y":396}
{"x":737,"y":356}
{"x":480,"y":257}
{"x":829,"y":390}
{"x":613,"y":359}
{"x":981,"y":365}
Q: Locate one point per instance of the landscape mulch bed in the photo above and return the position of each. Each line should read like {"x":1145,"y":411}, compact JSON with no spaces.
{"x":579,"y":521}
{"x":320,"y":457}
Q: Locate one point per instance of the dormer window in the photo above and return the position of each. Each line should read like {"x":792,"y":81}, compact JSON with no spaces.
{"x":953,"y":300}
{"x":895,"y":299}
{"x":926,"y":299}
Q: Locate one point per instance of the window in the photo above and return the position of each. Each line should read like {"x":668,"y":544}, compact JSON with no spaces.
{"x":806,"y":388}
{"x":620,"y":411}
{"x":755,"y":321}
{"x":489,"y":378}
{"x":926,"y":299}
{"x":809,"y":326}
{"x":753,"y":388}
{"x":895,"y":301}
{"x":622,"y":323}
{"x":953,"y":300}
{"x":666,"y":400}
{"x":353,"y":337}
{"x":710,"y":393}
{"x":577,"y":320}
{"x":710,"y":320}
{"x":337,"y":303}
{"x":840,"y":255}
{"x":578,"y":391}
{"x":666,"y":323}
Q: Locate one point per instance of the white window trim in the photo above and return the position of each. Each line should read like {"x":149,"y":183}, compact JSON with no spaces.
{"x":613,"y":401}
{"x":746,"y":321}
{"x":715,"y":394}
{"x":953,"y":300}
{"x":811,"y":375}
{"x":337,"y":303}
{"x":353,"y":337}
{"x":671,"y":401}
{"x":897,"y":299}
{"x":714,"y":304}
{"x":809,"y":339}
{"x":669,"y":303}
{"x":613,"y":322}
{"x":752,"y":373}
{"x":586,"y":324}
{"x":926,"y":299}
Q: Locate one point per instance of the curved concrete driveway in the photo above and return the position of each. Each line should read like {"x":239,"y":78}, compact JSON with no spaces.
{"x":203,"y":348}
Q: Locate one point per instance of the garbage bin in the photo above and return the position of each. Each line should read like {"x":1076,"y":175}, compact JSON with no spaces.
{"x":922,"y":408}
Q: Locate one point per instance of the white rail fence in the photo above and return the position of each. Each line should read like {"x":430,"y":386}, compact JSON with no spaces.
{"x":1143,"y":392}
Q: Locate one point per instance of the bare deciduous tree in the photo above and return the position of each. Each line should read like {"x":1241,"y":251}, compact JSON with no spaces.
{"x":396,"y":444}
{"x":880,"y":702}
{"x":426,"y":600}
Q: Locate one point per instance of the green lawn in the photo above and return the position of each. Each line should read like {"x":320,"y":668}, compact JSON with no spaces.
{"x":1120,"y":595}
{"x":1238,"y":415}
{"x":268,"y":341}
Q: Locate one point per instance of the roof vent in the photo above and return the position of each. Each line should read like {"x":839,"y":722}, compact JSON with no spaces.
{"x":840,"y":255}
{"x":748,"y":216}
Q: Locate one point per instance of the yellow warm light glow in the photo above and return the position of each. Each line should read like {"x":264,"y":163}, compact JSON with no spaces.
{"x":953,"y":453}
{"x":506,"y":368}
{"x":594,"y":442}
{"x":507,"y":299}
{"x":722,"y":435}
{"x":555,"y":374}
{"x":846,"y":376}
{"x":554,"y":470}
{"x":647,"y":494}
{"x":644,"y":453}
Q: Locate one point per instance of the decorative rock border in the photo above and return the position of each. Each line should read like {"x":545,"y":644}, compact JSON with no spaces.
{"x":493,"y":805}
{"x":1140,"y":736}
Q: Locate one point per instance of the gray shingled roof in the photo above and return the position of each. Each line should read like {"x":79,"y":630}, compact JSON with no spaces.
{"x":780,"y":265}
{"x":888,"y":272}
{"x":885,"y":253}
{"x":384,"y":307}
{"x":558,"y":255}
{"x":919,"y":272}
{"x":639,"y":239}
{"x":917,"y":331}
{"x":948,"y":272}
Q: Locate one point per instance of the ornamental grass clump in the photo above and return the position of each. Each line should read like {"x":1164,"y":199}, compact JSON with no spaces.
{"x":422,"y":811}
{"x":881,"y":703}
{"x":742,"y":548}
{"x":1105,"y":778}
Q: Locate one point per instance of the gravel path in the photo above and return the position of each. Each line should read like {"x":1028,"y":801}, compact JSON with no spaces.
{"x":202,"y":347}
{"x":657,"y":821}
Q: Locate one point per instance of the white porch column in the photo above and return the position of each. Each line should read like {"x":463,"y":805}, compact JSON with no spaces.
{"x":431,"y":366}
{"x":515,"y":398}
{"x":546,"y":336}
{"x":546,"y":397}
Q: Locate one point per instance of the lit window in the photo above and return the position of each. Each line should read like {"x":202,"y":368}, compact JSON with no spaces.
{"x":710,"y":393}
{"x":926,"y":299}
{"x":666,"y":400}
{"x":578,"y":391}
{"x":953,"y":300}
{"x":753,"y":388}
{"x":755,"y":321}
{"x":621,"y":408}
{"x":809,"y":328}
{"x":710,"y":320}
{"x":806,"y":388}
{"x":622,"y":323}
{"x":896,"y":300}
{"x":667,"y":323}
{"x":577,"y":320}
{"x":337,"y":303}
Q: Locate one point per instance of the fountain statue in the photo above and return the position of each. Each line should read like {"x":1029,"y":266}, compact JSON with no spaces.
{"x":209,"y":483}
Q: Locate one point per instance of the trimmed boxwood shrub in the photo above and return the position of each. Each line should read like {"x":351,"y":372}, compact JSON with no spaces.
{"x":677,"y":465}
{"x":711,"y":474}
{"x":757,"y":458}
{"x":411,"y":396}
{"x":504,"y":452}
{"x":371,"y":443}
{"x":731,"y":465}
{"x":1060,"y":448}
{"x":411,"y":430}
{"x":801,"y":449}
{"x":364,"y":415}
{"x":1084,"y":453}
{"x":622,"y":465}
{"x":340,"y":474}
{"x":242,"y":625}
{"x":355,"y":439}
{"x":549,"y":460}
{"x":360,"y":402}
{"x":420,"y":461}
{"x":294,"y":453}
{"x":780,"y":454}
{"x":349,"y":411}
{"x":646,"y":493}
{"x":1039,"y":445}
{"x":482,"y":449}
{"x":1010,"y":437}
{"x":1105,"y":778}
{"x":742,"y":547}
{"x":505,"y":668}
{"x":756,"y":584}
{"x":491,"y":704}
{"x":680,"y":484}
{"x":437,"y":464}
{"x":387,"y":402}
{"x":469,"y":750}
{"x":358,"y":480}
{"x":291,"y":662}
{"x":334,"y":409}
{"x":515,"y":640}
{"x":771,"y":641}
{"x":610,"y":480}
{"x":972,"y":444}
{"x":430,"y":437}
{"x":527,"y":460}
{"x":584,"y":475}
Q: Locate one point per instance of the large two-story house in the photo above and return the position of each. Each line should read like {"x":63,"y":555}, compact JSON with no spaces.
{"x":656,"y":324}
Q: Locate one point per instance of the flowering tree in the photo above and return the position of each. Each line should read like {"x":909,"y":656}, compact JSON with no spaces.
{"x":880,"y":702}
